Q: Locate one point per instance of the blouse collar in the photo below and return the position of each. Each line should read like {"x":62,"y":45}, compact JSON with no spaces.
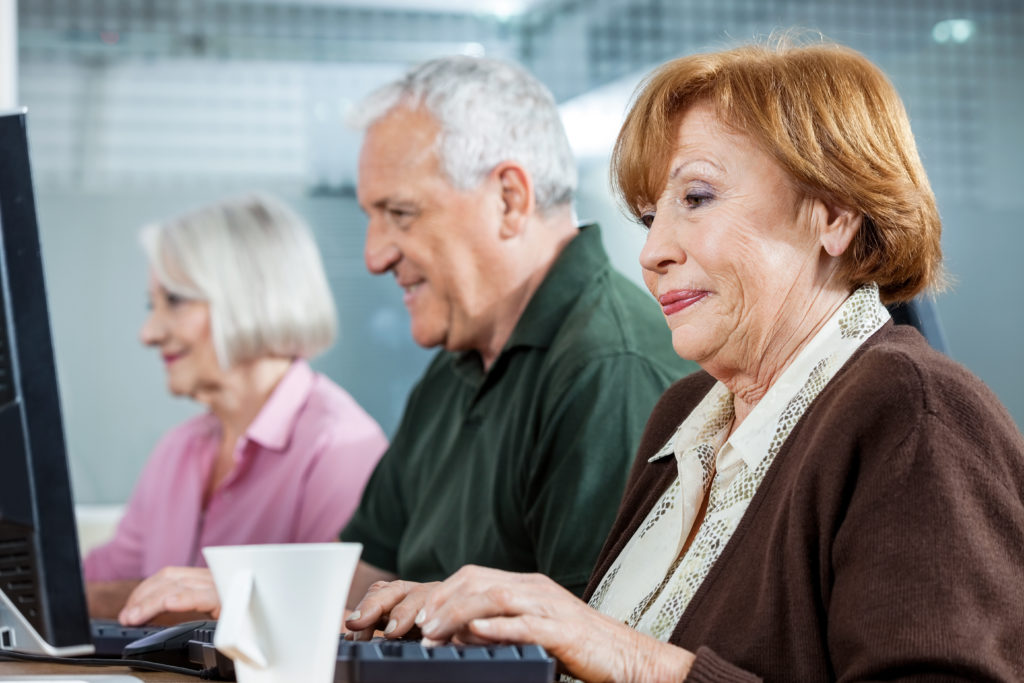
{"x":860,"y":316}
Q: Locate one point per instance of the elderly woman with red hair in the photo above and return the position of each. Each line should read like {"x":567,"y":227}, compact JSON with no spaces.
{"x":831,"y":499}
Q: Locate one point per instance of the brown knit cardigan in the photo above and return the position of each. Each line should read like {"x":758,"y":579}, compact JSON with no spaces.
{"x":885,"y":542}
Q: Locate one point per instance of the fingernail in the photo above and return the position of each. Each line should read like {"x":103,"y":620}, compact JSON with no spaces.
{"x":432,"y":626}
{"x":355,"y":615}
{"x":420,"y":616}
{"x":392,"y":625}
{"x":427,"y":642}
{"x":480,"y":624}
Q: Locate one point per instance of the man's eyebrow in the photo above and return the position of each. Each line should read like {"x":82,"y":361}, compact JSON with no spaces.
{"x":392,"y":202}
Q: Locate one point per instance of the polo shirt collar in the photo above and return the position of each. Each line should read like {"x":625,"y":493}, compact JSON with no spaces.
{"x":581,"y":261}
{"x":275,"y":422}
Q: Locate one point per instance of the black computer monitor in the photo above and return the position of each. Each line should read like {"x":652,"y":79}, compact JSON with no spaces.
{"x":42,"y":598}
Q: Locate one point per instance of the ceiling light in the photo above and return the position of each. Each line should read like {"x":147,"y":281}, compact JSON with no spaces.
{"x":953,"y":31}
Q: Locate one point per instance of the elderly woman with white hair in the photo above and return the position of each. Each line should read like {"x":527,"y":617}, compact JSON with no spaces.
{"x":238,"y":301}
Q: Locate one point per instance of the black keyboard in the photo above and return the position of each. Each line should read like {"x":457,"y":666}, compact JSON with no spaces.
{"x":110,"y":638}
{"x":398,"y":661}
{"x":376,"y":661}
{"x":391,"y":661}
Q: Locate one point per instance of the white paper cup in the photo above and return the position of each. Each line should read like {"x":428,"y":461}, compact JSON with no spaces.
{"x":282,"y":607}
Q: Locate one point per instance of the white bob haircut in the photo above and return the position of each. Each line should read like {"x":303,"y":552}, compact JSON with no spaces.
{"x":254,"y":261}
{"x":489,"y":112}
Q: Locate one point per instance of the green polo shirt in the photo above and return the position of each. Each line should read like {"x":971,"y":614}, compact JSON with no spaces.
{"x":522,"y":467}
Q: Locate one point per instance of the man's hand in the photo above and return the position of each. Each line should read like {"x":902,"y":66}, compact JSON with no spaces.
{"x":172,"y":589}
{"x":388,"y":605}
{"x":365,"y":576}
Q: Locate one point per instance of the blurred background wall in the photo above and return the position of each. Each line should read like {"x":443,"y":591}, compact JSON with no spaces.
{"x":142,"y":108}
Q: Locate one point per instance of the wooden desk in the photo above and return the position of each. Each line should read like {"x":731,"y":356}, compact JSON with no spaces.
{"x":40,"y":669}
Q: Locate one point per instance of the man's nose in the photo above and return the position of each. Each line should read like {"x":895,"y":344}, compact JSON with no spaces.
{"x":380,"y":253}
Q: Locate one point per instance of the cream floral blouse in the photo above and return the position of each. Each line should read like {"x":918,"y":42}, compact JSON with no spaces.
{"x":650,"y":584}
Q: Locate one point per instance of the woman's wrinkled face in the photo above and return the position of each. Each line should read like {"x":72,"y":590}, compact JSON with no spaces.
{"x":730,"y":253}
{"x":180,"y":329}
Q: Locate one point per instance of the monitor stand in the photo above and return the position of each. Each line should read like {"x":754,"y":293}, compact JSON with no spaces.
{"x":19,"y":635}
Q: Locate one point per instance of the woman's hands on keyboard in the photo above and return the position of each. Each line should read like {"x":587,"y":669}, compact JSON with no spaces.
{"x":172,"y":589}
{"x":479,"y":605}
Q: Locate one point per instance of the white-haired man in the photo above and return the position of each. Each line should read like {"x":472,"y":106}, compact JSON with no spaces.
{"x":515,"y":444}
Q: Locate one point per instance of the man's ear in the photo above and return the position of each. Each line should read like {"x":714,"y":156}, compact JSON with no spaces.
{"x":837,"y":226}
{"x":517,"y":198}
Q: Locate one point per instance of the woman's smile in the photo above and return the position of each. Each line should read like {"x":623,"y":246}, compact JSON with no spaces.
{"x":679,"y":299}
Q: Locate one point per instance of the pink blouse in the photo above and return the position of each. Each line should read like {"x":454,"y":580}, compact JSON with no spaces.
{"x":299,"y":472}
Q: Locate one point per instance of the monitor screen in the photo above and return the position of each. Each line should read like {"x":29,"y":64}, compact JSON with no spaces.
{"x":42,"y":598}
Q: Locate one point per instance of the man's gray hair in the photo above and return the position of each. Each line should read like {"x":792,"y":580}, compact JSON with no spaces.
{"x":255,"y":262}
{"x":489,"y":111}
